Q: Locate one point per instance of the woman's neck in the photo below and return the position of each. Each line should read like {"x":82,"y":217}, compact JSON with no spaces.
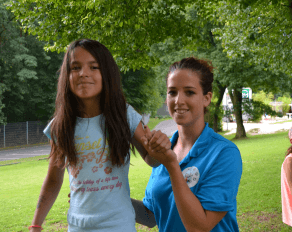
{"x":188,"y":135}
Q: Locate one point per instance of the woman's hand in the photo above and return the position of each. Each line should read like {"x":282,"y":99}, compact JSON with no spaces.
{"x":158,"y":146}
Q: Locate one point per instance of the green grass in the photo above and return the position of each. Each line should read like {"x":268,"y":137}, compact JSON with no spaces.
{"x":282,"y":122}
{"x":258,"y":200}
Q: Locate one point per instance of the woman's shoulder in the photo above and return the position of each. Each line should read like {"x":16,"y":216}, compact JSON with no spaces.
{"x":219,"y":139}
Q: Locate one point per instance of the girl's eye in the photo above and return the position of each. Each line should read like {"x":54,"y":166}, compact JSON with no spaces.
{"x":95,"y":67}
{"x":75,"y":68}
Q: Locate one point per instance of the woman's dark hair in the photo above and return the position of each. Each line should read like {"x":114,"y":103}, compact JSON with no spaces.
{"x":112,"y":105}
{"x":203,"y":68}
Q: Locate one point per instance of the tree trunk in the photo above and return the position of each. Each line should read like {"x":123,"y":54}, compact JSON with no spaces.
{"x":217,"y":105}
{"x":236,"y":98}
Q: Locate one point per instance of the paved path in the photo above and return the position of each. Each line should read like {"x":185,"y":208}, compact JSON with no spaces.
{"x":168,"y":127}
{"x":24,"y":152}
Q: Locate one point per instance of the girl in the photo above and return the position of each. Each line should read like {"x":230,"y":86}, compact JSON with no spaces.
{"x":286,"y":185}
{"x":91,"y":133}
{"x":196,"y":186}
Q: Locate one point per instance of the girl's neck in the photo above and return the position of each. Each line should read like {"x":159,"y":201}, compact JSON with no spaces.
{"x":90,"y":109}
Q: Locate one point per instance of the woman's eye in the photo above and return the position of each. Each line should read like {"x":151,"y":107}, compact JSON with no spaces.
{"x":75,"y":68}
{"x":95,"y":67}
{"x":188,"y":92}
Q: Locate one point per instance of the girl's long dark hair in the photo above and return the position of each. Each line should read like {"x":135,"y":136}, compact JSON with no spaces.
{"x":112,"y":105}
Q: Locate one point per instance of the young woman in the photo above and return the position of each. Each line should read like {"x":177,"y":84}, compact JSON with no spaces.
{"x":196,"y":186}
{"x":286,"y":185}
{"x":91,"y":133}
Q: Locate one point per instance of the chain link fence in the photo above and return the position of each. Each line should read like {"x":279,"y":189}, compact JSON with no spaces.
{"x":22,"y":133}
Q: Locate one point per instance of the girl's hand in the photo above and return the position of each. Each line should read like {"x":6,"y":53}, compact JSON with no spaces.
{"x":158,"y":146}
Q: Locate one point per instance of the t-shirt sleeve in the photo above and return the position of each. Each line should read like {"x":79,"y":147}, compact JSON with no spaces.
{"x":147,"y":200}
{"x":134,"y":119}
{"x":47,"y":130}
{"x":219,"y":189}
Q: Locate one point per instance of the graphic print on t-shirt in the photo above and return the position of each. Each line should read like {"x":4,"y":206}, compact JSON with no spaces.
{"x":86,"y":156}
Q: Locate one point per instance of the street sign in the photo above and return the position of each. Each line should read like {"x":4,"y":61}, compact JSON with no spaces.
{"x":245,"y":93}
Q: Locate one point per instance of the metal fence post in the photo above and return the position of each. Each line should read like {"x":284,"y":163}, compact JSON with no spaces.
{"x":27,"y":132}
{"x":4,"y":135}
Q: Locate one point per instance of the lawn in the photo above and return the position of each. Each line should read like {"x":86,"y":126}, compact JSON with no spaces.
{"x":259,"y":196}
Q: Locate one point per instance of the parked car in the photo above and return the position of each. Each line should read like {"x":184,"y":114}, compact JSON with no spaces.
{"x":246,"y":117}
{"x":227,"y":118}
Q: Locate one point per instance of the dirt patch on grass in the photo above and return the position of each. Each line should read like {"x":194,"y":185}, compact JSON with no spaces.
{"x":261,"y":221}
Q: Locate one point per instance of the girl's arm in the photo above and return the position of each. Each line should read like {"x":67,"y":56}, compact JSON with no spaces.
{"x":143,"y":215}
{"x":49,"y":192}
{"x":288,"y":171}
{"x":138,"y":143}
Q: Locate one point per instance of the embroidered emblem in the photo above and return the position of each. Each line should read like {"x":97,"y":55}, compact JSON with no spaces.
{"x":191,"y":175}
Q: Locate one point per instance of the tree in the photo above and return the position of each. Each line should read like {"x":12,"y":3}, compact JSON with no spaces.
{"x":16,"y":64}
{"x":286,"y":100}
{"x":262,"y":29}
{"x":263,"y":97}
{"x":138,"y":26}
{"x":142,"y":90}
{"x":128,"y":29}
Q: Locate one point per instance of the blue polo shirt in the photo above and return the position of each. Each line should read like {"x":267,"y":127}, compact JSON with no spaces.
{"x":213,"y":169}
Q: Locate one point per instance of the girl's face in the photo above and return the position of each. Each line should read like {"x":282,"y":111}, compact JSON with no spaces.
{"x":85,"y":76}
{"x":185,"y":99}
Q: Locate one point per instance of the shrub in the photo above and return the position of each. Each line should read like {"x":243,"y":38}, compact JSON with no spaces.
{"x":256,"y":109}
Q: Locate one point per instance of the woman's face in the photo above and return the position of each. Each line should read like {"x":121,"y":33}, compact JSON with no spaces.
{"x":185,"y":99}
{"x":85,"y":76}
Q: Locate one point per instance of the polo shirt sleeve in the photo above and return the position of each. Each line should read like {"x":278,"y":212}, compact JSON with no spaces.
{"x":219,"y":188}
{"x":147,"y":200}
{"x":134,"y":118}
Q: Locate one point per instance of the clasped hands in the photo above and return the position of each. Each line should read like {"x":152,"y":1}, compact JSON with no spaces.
{"x":158,"y":146}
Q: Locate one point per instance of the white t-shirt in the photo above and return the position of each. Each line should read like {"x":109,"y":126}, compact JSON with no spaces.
{"x":100,"y":194}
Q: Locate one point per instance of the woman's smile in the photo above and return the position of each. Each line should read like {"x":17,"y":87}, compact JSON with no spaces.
{"x":181,"y":112}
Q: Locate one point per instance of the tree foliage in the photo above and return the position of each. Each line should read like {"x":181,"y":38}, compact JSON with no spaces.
{"x":261,"y":32}
{"x":27,"y":73}
{"x":127,"y":28}
{"x":142,"y":90}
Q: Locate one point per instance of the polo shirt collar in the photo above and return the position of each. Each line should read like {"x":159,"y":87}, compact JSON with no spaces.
{"x":199,"y":146}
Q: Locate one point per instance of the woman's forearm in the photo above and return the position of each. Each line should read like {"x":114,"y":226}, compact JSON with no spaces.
{"x":143,"y":215}
{"x":189,"y":207}
{"x":48,"y":195}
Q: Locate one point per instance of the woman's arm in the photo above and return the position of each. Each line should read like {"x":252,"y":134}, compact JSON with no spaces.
{"x":288,"y":171}
{"x":192,"y":214}
{"x":190,"y":209}
{"x":143,"y":215}
{"x":49,"y":192}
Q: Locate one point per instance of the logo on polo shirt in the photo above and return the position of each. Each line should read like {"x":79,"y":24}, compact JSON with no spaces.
{"x":191,"y":175}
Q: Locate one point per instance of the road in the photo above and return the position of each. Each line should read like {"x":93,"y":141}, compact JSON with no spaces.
{"x":24,"y":152}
